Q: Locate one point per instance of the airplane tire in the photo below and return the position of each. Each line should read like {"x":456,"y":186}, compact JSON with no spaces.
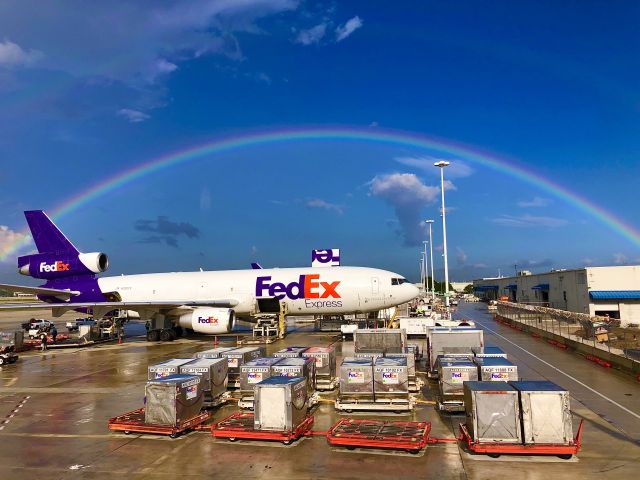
{"x":178,"y":331}
{"x":166,"y":335}
{"x":153,"y":335}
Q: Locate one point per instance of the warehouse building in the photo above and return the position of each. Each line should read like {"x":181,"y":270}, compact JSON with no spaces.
{"x":612,"y":291}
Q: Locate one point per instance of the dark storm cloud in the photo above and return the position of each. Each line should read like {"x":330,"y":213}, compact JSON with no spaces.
{"x":166,"y":231}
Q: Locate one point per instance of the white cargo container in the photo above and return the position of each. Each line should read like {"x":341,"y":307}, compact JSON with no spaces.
{"x":280,"y":403}
{"x":167,"y":368}
{"x":493,"y":412}
{"x":546,"y":413}
{"x":444,"y":341}
{"x":213,"y":372}
{"x":496,"y":369}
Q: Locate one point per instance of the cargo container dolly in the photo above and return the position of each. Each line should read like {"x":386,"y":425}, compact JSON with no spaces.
{"x":240,"y":425}
{"x":396,"y":405}
{"x":351,"y":433}
{"x":493,"y":449}
{"x":133,"y":422}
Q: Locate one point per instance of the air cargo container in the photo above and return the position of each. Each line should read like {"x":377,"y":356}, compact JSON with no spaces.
{"x":356,"y":379}
{"x":384,"y":340}
{"x":167,"y":368}
{"x":370,"y":355}
{"x":255,"y":371}
{"x":325,"y":358}
{"x":290,"y":352}
{"x":173,"y":400}
{"x":214,"y":352}
{"x":546,"y":413}
{"x":445,"y":341}
{"x":496,"y":369}
{"x":213,"y":372}
{"x":280,"y":403}
{"x":236,"y":358}
{"x":493,"y":412}
{"x":297,"y":367}
{"x":488,"y":352}
{"x":410,"y":357}
{"x":452,"y":373}
{"x":390,"y":378}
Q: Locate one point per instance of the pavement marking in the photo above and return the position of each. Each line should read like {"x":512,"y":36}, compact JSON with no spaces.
{"x":13,"y":412}
{"x":613,"y":402}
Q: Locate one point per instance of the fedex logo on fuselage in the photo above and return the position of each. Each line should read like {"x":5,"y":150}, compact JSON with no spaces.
{"x":307,"y":286}
{"x":58,"y":266}
{"x":211,"y":320}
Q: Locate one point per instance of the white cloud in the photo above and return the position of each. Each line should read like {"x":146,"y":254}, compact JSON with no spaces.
{"x":620,"y":258}
{"x":534,"y":203}
{"x":8,"y":238}
{"x":408,"y":195}
{"x":461,"y":256}
{"x":403,"y":188}
{"x":134,"y":116}
{"x":529,"y":221}
{"x":312,"y":35}
{"x":343,"y":31}
{"x":205,"y":199}
{"x":322,"y":204}
{"x":456,"y":168}
{"x":13,"y":55}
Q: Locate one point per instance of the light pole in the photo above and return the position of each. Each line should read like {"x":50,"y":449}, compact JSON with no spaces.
{"x":433,"y":279}
{"x":422,"y":270}
{"x":442,"y":164}
{"x":426,"y":268}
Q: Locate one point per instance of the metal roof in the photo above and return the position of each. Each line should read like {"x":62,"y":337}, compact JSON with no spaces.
{"x":541,"y":286}
{"x":614,"y":294}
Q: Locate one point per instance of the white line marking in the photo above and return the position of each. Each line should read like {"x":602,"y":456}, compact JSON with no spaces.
{"x":564,"y":373}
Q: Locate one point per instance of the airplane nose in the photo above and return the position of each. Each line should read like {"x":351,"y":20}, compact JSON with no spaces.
{"x":412,"y":292}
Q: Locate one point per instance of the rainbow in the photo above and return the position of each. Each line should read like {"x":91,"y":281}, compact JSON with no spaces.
{"x":371,"y":135}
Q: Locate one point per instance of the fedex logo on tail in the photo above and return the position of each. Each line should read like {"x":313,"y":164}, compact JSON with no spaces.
{"x":325,"y":258}
{"x":58,"y":266}
{"x":307,"y":286}
{"x":208,"y":320}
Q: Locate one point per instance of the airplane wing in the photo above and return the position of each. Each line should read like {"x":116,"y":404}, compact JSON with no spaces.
{"x":54,"y":292}
{"x":100,"y":309}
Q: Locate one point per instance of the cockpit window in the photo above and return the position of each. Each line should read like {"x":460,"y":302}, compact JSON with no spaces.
{"x":398,"y":281}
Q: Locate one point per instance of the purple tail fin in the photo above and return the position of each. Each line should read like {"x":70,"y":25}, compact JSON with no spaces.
{"x":47,"y":237}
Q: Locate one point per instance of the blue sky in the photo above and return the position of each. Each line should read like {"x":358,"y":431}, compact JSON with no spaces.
{"x":88,"y":89}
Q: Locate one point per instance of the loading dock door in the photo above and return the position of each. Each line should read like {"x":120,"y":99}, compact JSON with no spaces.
{"x":374,"y":285}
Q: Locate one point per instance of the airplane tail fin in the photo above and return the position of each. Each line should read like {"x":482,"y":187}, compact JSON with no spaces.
{"x":47,"y":237}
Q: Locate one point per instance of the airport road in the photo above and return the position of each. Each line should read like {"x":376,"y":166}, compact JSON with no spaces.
{"x":55,"y":406}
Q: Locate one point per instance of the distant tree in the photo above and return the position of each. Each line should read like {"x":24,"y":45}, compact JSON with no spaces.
{"x":468,"y":289}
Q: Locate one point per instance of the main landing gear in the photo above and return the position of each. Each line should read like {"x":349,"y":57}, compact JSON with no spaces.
{"x":164,"y":334}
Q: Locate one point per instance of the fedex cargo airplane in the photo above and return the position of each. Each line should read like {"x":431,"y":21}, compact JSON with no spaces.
{"x":206,"y":302}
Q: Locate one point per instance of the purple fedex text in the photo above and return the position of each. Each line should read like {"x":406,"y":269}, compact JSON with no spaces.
{"x":324,"y":256}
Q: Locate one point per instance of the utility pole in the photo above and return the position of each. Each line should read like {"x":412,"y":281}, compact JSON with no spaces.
{"x":442,"y":164}
{"x":433,"y":278}
{"x":426,"y":267}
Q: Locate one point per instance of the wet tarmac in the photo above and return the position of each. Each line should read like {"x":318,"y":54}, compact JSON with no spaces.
{"x":54,"y":408}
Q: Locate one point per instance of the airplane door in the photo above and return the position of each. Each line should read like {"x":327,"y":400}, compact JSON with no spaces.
{"x":375,"y":287}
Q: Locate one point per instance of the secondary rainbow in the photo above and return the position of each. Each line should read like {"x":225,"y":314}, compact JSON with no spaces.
{"x":371,"y":135}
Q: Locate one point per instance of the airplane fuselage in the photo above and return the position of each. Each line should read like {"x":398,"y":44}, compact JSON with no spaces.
{"x":306,"y":291}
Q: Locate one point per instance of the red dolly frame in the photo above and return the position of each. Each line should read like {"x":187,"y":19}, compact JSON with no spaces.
{"x":134,"y":422}
{"x":247,"y":432}
{"x":410,"y":443}
{"x":496,"y":449}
